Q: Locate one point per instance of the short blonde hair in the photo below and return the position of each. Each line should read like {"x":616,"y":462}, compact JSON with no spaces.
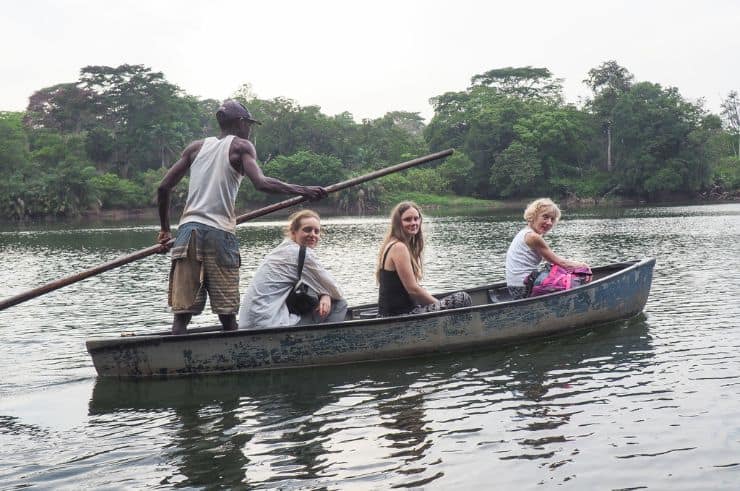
{"x":535,"y":208}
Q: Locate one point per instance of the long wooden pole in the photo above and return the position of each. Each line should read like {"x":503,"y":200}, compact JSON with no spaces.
{"x":55,"y":285}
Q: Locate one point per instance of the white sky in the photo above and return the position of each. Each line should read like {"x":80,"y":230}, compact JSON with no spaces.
{"x":369,"y":57}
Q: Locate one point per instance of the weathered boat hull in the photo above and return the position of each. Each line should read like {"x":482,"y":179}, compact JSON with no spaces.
{"x":618,"y":292}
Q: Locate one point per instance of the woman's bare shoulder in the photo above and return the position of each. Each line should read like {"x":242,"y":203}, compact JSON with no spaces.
{"x":398,"y":247}
{"x":532,"y":237}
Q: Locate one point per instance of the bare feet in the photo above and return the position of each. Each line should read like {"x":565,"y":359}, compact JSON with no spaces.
{"x":180,"y":323}
{"x":228,"y":321}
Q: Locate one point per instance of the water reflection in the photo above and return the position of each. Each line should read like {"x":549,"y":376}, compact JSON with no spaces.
{"x":609,"y":408}
{"x":357,"y":424}
{"x":206,"y":450}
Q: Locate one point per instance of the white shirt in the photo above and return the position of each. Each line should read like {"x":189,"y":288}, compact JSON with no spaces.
{"x":263,"y":304}
{"x":213,"y":186}
{"x":520,"y":259}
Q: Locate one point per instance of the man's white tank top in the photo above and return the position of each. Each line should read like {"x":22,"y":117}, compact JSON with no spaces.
{"x":213,"y":186}
{"x":520,"y":259}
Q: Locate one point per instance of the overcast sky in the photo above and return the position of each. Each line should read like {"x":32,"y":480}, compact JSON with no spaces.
{"x":368,"y":57}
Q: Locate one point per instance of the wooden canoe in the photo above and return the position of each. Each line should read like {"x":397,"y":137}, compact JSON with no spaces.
{"x":618,"y":291}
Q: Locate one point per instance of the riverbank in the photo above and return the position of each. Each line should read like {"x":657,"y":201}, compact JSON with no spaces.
{"x":432,"y":204}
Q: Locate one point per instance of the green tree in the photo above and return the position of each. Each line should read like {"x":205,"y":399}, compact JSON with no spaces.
{"x":523,"y":82}
{"x":149,"y":118}
{"x":483,"y":122}
{"x":731,"y":117}
{"x":560,"y":134}
{"x":114,"y":192}
{"x":659,"y":141}
{"x":456,"y":170}
{"x":13,"y":143}
{"x":609,"y":81}
{"x":394,"y":138}
{"x":66,"y":108}
{"x":306,"y":168}
{"x":480,"y":123}
{"x":288,"y":128}
{"x":516,"y":172}
{"x":149,"y":181}
{"x":426,"y":180}
{"x":59,"y":182}
{"x":100,"y":145}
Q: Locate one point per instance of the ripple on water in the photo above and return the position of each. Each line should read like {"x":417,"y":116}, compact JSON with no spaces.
{"x":650,"y":403}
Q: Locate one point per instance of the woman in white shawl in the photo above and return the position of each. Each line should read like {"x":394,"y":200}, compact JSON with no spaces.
{"x":263,"y":304}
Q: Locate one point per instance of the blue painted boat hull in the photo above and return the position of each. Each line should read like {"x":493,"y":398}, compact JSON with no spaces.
{"x":618,"y":291}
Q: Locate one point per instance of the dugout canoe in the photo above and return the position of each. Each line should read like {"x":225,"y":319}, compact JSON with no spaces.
{"x":618,"y":291}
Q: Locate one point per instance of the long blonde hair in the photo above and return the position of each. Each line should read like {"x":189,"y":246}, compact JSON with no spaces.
{"x":396,"y":233}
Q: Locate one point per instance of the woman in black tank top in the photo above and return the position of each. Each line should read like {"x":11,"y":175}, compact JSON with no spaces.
{"x":393,"y":299}
{"x":400,"y":268}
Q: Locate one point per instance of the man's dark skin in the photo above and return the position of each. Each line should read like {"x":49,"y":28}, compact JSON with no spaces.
{"x":243,"y":158}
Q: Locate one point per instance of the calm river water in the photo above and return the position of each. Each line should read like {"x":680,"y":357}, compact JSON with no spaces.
{"x":653,"y":403}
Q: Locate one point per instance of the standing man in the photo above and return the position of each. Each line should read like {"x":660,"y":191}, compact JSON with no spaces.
{"x":205,"y":255}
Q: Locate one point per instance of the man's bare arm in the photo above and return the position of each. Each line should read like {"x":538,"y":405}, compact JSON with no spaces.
{"x":243,"y":153}
{"x":170,"y":180}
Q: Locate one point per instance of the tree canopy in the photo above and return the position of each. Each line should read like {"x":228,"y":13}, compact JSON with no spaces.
{"x":106,"y":139}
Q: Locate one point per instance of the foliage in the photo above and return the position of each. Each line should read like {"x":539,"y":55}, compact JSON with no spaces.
{"x":456,"y":171}
{"x":658,"y":143}
{"x":516,"y":139}
{"x":289,"y":128}
{"x":361,"y":199}
{"x":395,"y":183}
{"x":609,"y":81}
{"x":731,"y":117}
{"x":594,"y":183}
{"x":480,"y":123}
{"x":304,"y":167}
{"x":307,"y":168}
{"x":65,"y":108}
{"x":435,"y":201}
{"x":13,"y":142}
{"x":560,"y":135}
{"x":727,"y":172}
{"x":56,"y":183}
{"x":516,"y":172}
{"x":427,"y":180}
{"x":100,"y":145}
{"x":148,"y":182}
{"x":524,"y":82}
{"x":115,"y":192}
{"x":133,"y":118}
{"x":107,"y":139}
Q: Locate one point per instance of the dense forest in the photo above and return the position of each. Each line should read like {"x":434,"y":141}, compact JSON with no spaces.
{"x":105,"y":141}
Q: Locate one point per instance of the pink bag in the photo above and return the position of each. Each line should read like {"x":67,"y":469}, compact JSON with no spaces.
{"x":551,"y":278}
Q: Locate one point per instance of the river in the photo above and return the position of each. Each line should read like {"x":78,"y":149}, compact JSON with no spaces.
{"x":651,"y":403}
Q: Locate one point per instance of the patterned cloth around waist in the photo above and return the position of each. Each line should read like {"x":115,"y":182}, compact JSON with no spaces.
{"x":208,"y":241}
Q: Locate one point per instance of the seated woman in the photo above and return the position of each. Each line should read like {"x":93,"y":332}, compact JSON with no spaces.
{"x":263,"y":304}
{"x":529,"y":248}
{"x":400,"y":268}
